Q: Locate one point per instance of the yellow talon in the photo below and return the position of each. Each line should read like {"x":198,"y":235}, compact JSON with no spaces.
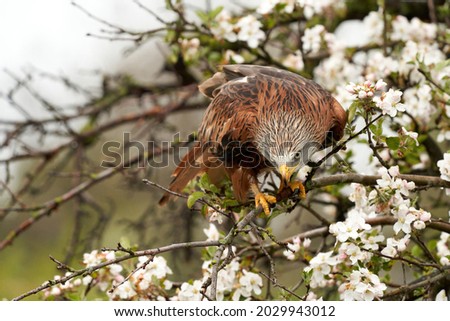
{"x":297,"y":184}
{"x":264,"y":200}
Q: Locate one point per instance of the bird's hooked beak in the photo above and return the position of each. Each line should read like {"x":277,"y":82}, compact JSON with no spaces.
{"x":286,"y":173}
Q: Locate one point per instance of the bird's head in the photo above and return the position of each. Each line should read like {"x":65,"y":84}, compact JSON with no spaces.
{"x":287,"y":145}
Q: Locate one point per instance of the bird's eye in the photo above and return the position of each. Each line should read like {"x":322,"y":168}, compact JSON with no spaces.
{"x":297,"y":155}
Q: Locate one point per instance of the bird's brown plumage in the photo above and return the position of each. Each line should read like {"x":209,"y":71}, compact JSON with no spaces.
{"x":255,"y":114}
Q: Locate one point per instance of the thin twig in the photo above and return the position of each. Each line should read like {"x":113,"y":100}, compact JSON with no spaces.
{"x":432,"y":278}
{"x":139,"y":267}
{"x":278,"y":285}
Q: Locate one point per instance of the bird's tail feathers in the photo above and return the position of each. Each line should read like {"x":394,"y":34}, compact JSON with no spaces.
{"x":194,"y":163}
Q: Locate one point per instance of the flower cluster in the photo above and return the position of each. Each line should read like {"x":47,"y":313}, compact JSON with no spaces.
{"x":62,"y":290}
{"x":103,"y":277}
{"x":362,"y":285}
{"x":233,"y":281}
{"x":150,"y":277}
{"x":443,"y":248}
{"x":293,"y":249}
{"x":391,"y":190}
{"x":415,"y":30}
{"x":389,"y":102}
{"x":247,"y":29}
{"x":320,"y":268}
{"x":365,"y":90}
{"x":190,"y":48}
{"x":409,"y":215}
{"x":358,"y":241}
{"x":374,"y":25}
{"x":444,"y":167}
{"x":312,"y":39}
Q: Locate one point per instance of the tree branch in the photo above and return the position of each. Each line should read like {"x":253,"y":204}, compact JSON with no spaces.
{"x":89,"y":270}
{"x":419,"y":180}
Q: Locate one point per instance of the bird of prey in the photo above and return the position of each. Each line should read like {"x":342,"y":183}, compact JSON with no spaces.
{"x":259,"y":119}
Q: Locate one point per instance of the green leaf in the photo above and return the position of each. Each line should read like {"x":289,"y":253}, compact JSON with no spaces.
{"x":432,"y":245}
{"x":230,"y":203}
{"x":205,"y":209}
{"x":307,"y":275}
{"x":377,"y":128}
{"x":351,"y":112}
{"x":203,"y":16}
{"x":125,"y":242}
{"x":204,"y":182}
{"x":393,"y":142}
{"x":194,"y":197}
{"x":416,"y":251}
{"x":214,"y":13}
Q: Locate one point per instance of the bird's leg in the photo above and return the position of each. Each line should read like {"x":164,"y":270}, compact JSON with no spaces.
{"x":301,"y":188}
{"x":293,"y":186}
{"x":262,"y":199}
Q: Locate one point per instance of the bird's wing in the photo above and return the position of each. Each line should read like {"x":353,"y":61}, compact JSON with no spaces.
{"x":241,"y":92}
{"x":233,"y":110}
{"x":294,"y":93}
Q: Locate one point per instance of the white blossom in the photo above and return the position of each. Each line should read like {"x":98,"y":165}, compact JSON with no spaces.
{"x":223,"y":28}
{"x":418,"y":100}
{"x":344,"y":231}
{"x":250,"y":31}
{"x":190,"y":292}
{"x":375,"y":26}
{"x":293,"y":248}
{"x":156,"y":267}
{"x":389,"y":180}
{"x":337,"y":70}
{"x":393,"y":246}
{"x":358,"y":195}
{"x":377,"y":65}
{"x":125,"y":291}
{"x":354,"y":252}
{"x":231,"y":56}
{"x":251,"y":282}
{"x":212,"y":233}
{"x":372,"y":242}
{"x":321,"y":266}
{"x":444,"y":167}
{"x":91,"y":259}
{"x":389,"y":102}
{"x":313,"y":297}
{"x":404,"y":219}
{"x":351,"y":227}
{"x":190,"y":48}
{"x":442,"y":249}
{"x":312,"y":39}
{"x":429,"y":54}
{"x":294,"y":61}
{"x":389,"y":250}
{"x":410,"y":134}
{"x":419,"y":225}
{"x":415,"y":30}
{"x":441,"y":296}
{"x":363,"y":285}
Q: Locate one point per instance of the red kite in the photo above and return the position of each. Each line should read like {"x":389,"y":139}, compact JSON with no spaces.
{"x":259,"y":119}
